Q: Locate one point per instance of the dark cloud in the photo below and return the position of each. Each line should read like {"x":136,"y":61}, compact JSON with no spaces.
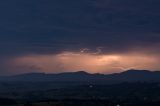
{"x":108,"y":42}
{"x":47,"y":26}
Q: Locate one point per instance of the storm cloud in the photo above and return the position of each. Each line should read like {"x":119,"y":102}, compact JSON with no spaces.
{"x":105,"y":27}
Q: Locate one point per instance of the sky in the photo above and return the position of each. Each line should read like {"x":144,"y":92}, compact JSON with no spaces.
{"x":97,"y":36}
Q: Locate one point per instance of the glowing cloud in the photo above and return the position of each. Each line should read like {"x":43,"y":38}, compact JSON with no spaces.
{"x":75,"y":61}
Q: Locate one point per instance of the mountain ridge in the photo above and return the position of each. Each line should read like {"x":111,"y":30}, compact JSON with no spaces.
{"x":126,"y":76}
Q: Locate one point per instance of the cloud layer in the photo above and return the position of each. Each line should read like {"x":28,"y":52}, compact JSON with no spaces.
{"x":46,"y":28}
{"x":77,"y":61}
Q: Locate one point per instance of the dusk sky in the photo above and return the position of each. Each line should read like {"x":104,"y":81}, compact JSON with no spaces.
{"x":97,"y":36}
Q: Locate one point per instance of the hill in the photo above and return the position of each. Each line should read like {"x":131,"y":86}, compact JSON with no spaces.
{"x":82,"y":76}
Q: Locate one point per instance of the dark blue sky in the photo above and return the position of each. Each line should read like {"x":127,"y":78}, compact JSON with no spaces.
{"x":54,"y":26}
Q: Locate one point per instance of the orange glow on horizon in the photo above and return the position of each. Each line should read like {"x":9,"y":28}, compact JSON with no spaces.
{"x":76,"y":61}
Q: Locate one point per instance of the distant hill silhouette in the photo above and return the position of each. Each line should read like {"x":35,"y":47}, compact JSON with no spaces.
{"x":136,"y":75}
{"x":126,"y":76}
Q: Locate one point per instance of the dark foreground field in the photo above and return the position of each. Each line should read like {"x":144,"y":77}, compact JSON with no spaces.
{"x":81,"y":94}
{"x":93,"y":102}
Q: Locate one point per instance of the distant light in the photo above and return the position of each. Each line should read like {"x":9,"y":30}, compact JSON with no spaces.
{"x":91,"y":86}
